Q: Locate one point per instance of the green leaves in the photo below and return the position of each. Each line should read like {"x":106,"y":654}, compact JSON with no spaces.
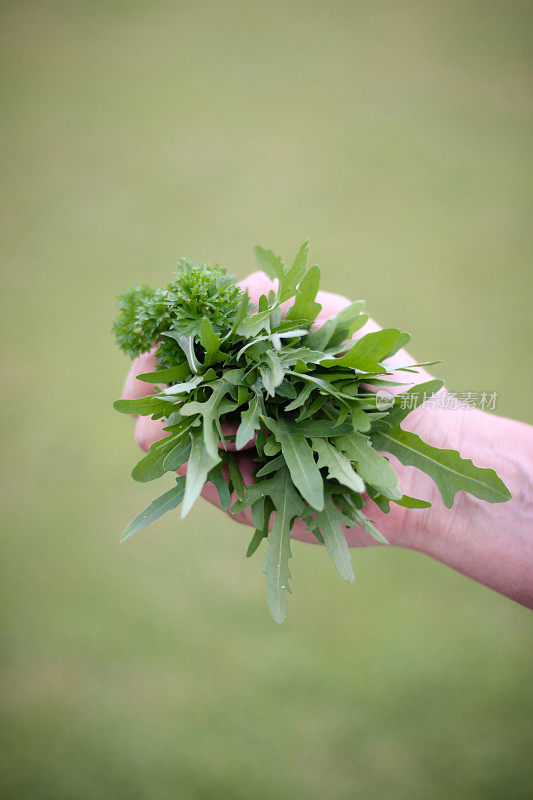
{"x":152,"y":465}
{"x":151,"y":406}
{"x":200,"y":464}
{"x":208,"y":411}
{"x":412,"y":399}
{"x":166,"y":502}
{"x":330,"y":521}
{"x":339,"y":327}
{"x":288,"y":505}
{"x":232,"y":375}
{"x":186,"y":343}
{"x":249,"y":422}
{"x":450,"y":472}
{"x":276,"y":564}
{"x":183,"y":388}
{"x":272,"y":372}
{"x":176,"y":373}
{"x":216,"y":477}
{"x":305,"y":305}
{"x":211,"y":344}
{"x":368,"y":352}
{"x":301,"y":463}
{"x":269,"y":263}
{"x":371,"y":465}
{"x":338,"y":465}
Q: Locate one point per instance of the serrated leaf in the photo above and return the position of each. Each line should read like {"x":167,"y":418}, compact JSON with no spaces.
{"x":295,"y":273}
{"x":371,"y":465}
{"x":276,"y":562}
{"x":250,"y":420}
{"x":166,"y":502}
{"x":317,"y":427}
{"x":272,"y":372}
{"x":208,"y":411}
{"x":288,"y":505}
{"x":412,"y":399}
{"x":305,"y":305}
{"x":169,"y":375}
{"x":301,"y":463}
{"x":338,"y":465}
{"x":178,"y":456}
{"x":367,"y":525}
{"x":344,"y":320}
{"x":151,"y":466}
{"x":200,"y":463}
{"x":241,"y":314}
{"x":367,"y":353}
{"x":255,"y":323}
{"x":289,"y":334}
{"x":449,"y":471}
{"x":183,"y":388}
{"x":360,"y":420}
{"x":187,"y":345}
{"x":312,"y":408}
{"x":330,"y":521}
{"x":218,"y":480}
{"x":322,"y":384}
{"x":269,"y":263}
{"x":211,"y":344}
{"x":300,"y":355}
{"x":276,"y":488}
{"x":302,"y":398}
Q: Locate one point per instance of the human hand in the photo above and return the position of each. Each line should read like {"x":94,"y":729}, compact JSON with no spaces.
{"x":493,"y":544}
{"x":400,"y":525}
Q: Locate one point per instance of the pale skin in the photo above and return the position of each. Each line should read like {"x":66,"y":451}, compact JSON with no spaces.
{"x":490,"y":543}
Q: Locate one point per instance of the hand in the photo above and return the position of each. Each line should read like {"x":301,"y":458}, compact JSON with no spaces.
{"x":493,"y":544}
{"x":398,"y":526}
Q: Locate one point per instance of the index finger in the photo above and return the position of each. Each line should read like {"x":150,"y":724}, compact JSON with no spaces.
{"x":134,"y":388}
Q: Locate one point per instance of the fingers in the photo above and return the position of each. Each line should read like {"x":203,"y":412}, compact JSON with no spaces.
{"x":133,"y":388}
{"x":331,"y":304}
{"x":257,"y":283}
{"x":148,"y":431}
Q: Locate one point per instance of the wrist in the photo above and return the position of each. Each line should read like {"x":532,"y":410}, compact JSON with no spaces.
{"x":491,"y":543}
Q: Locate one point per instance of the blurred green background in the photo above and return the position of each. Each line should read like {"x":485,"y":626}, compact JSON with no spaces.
{"x":396,"y":136}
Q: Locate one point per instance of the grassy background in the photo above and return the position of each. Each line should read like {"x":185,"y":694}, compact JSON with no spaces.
{"x":396,"y":136}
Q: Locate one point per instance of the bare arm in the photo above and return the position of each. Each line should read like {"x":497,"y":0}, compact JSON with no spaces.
{"x":492,"y":544}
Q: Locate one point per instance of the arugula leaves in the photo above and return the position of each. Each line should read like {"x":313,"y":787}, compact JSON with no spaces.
{"x":304,"y":394}
{"x":450,"y":472}
{"x":288,"y":505}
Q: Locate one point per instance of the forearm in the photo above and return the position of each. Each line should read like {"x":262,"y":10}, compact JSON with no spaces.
{"x":491,"y":543}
